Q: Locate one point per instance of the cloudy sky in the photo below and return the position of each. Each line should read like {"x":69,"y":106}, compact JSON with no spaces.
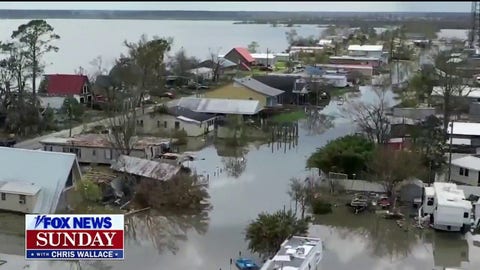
{"x":251,"y":6}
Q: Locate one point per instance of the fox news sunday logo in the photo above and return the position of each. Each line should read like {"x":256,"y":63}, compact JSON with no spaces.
{"x":74,"y":237}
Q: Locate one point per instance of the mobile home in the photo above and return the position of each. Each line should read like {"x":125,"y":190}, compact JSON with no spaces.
{"x":447,"y":207}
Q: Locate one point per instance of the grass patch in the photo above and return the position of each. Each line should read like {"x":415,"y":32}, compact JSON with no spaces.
{"x":288,"y":117}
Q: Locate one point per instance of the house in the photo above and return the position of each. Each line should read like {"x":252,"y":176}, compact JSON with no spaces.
{"x":365,"y":70}
{"x":265,"y":59}
{"x":466,"y":170}
{"x":69,"y":85}
{"x":467,"y":93}
{"x":202,"y":73}
{"x":219,"y":106}
{"x":294,"y":87}
{"x":249,"y":89}
{"x":325,"y":42}
{"x":296,"y":252}
{"x":241,"y":56}
{"x":375,"y":51}
{"x":54,"y":103}
{"x":98,"y":148}
{"x":282,"y":57}
{"x":176,"y":118}
{"x":355,"y":60}
{"x":145,"y":168}
{"x":305,"y":49}
{"x":465,"y":130}
{"x":40,"y":188}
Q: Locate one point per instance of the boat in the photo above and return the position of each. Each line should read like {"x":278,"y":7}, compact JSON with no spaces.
{"x":246,"y":264}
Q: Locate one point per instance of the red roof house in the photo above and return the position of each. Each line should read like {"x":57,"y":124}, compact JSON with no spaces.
{"x":240,"y":56}
{"x":68,"y":85}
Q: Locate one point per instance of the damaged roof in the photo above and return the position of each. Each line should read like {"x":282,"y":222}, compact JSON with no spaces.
{"x":145,"y":168}
{"x":104,"y":141}
{"x":259,"y":87}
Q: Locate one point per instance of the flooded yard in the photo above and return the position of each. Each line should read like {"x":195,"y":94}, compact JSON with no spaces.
{"x":253,"y":179}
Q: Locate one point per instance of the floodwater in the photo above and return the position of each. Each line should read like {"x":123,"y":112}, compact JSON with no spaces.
{"x":258,"y":182}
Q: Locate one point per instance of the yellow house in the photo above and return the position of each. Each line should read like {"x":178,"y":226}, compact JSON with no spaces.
{"x":249,"y":89}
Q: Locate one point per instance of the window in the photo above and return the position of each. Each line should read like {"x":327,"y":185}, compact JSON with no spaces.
{"x":108,"y":154}
{"x":466,"y":172}
{"x":140,"y":123}
{"x":465,"y":215}
{"x":50,"y":148}
{"x":44,"y":148}
{"x":22,"y":199}
{"x":4,"y":196}
{"x":177,"y":125}
{"x":430,"y":201}
{"x":158,"y":123}
{"x":461,"y":171}
{"x":165,"y":124}
{"x":94,"y":153}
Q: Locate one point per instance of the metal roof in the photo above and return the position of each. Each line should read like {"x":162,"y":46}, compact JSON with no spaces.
{"x":366,"y":48}
{"x":466,"y":91}
{"x":468,"y":162}
{"x":464,"y":128}
{"x":259,"y":87}
{"x":55,"y":103}
{"x":220,"y":105}
{"x":48,"y":170}
{"x":145,"y":168}
{"x":17,"y":187}
{"x":103,"y":141}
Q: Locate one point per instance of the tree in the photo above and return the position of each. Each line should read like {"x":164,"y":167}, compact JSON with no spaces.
{"x":182,"y":64}
{"x":292,"y":36}
{"x":35,"y":38}
{"x":253,"y":46}
{"x":146,"y":58}
{"x":349,"y":155}
{"x":451,"y":86}
{"x":390,"y":167}
{"x":429,"y":140}
{"x":73,"y":108}
{"x":299,"y":192}
{"x":371,"y":118}
{"x":182,"y":192}
{"x":268,"y":231}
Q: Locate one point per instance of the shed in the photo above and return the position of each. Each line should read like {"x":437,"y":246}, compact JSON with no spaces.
{"x":411,"y":189}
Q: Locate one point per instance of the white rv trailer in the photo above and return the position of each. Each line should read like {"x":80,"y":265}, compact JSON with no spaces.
{"x":450,"y":211}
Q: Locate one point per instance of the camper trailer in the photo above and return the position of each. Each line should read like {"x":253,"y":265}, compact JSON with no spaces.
{"x":449,"y":211}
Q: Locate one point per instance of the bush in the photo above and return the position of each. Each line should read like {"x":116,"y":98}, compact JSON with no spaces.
{"x":181,"y":136}
{"x":320,"y":207}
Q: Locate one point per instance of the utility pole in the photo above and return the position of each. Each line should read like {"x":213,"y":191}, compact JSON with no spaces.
{"x":450,"y":153}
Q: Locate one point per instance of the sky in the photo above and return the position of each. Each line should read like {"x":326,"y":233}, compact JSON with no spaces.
{"x":251,"y":6}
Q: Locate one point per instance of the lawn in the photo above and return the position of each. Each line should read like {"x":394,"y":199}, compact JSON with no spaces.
{"x":288,"y":117}
{"x":341,"y":91}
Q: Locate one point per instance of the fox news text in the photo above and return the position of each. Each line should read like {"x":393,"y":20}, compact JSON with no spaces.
{"x":74,"y":237}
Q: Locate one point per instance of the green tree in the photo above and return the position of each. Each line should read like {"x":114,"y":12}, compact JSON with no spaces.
{"x":430,"y":141}
{"x":349,"y":155}
{"x":73,"y":108}
{"x":35,"y":38}
{"x":268,"y":231}
{"x":182,"y":64}
{"x":253,"y":47}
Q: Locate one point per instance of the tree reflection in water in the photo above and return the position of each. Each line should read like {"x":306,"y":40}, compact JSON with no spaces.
{"x":316,"y":122}
{"x":384,"y":238}
{"x":233,"y":159}
{"x":165,"y":229}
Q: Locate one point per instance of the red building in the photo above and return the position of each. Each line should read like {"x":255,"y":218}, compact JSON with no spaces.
{"x":67,"y":85}
{"x":240,"y":56}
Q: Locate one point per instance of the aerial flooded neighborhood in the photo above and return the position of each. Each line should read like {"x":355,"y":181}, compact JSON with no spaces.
{"x":249,"y":136}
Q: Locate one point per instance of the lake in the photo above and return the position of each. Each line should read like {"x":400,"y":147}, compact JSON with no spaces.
{"x":83,"y":40}
{"x":258,"y":179}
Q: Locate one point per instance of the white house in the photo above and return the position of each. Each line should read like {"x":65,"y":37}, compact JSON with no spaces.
{"x":465,"y":130}
{"x":325,"y":42}
{"x":466,"y":170}
{"x":375,"y":51}
{"x":265,"y":59}
{"x":202,"y":72}
{"x":33,"y":181}
{"x":471,"y":94}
